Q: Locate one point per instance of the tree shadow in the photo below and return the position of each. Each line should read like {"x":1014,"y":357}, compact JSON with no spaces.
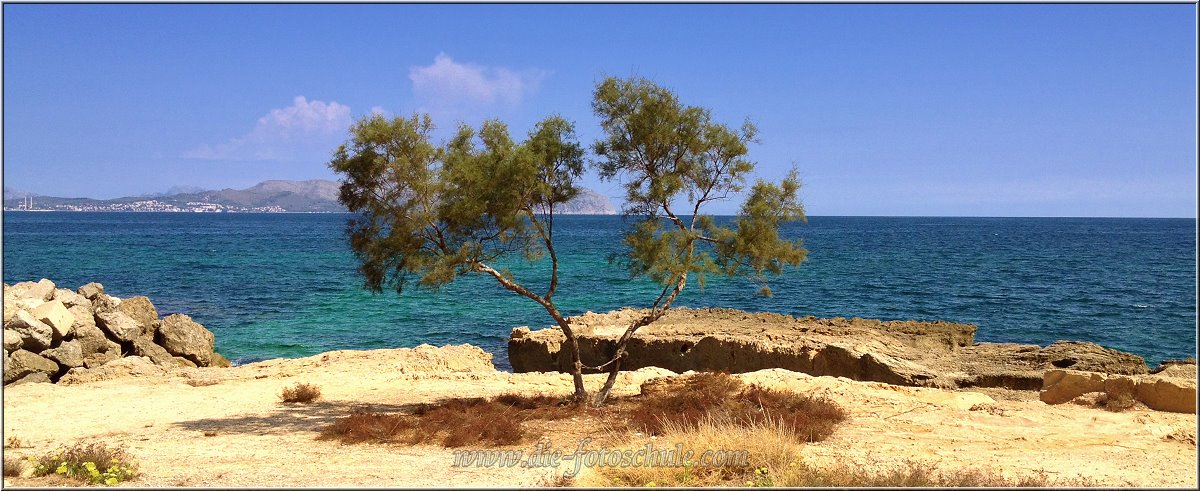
{"x":290,"y":418}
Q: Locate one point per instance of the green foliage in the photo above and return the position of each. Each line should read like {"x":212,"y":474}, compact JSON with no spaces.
{"x":673,"y":159}
{"x":437,"y":212}
{"x":93,"y":463}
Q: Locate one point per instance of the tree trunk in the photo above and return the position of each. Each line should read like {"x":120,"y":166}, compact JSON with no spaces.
{"x":577,"y":364}
{"x":613,"y":370}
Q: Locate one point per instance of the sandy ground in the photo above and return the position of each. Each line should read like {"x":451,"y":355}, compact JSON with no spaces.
{"x":258,"y":441}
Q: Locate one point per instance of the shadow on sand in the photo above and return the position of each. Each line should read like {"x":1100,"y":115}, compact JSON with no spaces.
{"x":290,"y":418}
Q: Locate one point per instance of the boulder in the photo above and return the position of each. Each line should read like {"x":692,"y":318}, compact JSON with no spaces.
{"x":42,"y":290}
{"x":91,"y":290}
{"x":1177,"y":395}
{"x":91,"y":339}
{"x":181,"y":336}
{"x":182,"y":362}
{"x":219,"y":361}
{"x":33,"y":378}
{"x":70,"y":299}
{"x":24,"y":362}
{"x":120,"y":326}
{"x":1162,"y":393}
{"x":55,"y":315}
{"x":12,"y":341}
{"x":141,"y":310}
{"x":28,"y":303}
{"x":131,"y":366}
{"x":1059,"y":386}
{"x":102,"y":358}
{"x":10,"y":306}
{"x":84,"y":317}
{"x":69,"y":354}
{"x":144,"y":346}
{"x":105,"y":303}
{"x":35,"y":334}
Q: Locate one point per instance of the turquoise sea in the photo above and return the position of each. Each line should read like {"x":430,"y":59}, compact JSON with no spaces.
{"x":285,"y":285}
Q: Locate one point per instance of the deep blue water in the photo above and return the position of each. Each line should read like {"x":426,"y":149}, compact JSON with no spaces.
{"x":285,"y":285}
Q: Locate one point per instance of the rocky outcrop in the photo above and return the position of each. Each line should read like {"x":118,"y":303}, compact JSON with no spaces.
{"x":1163,"y":393}
{"x":57,"y":334}
{"x":930,"y":354}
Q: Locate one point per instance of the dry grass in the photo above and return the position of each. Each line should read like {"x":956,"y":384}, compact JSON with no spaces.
{"x":766,"y":444}
{"x":300,"y":393}
{"x":773,"y":460}
{"x":454,"y":422}
{"x":708,"y":396}
{"x":13,"y":466}
{"x":908,"y":474}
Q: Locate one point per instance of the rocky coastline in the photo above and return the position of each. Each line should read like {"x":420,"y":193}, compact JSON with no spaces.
{"x":903,"y":353}
{"x":176,"y":410}
{"x":60,"y":335}
{"x":65,"y":336}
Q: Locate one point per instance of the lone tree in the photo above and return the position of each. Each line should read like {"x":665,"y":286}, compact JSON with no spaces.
{"x":433,"y":213}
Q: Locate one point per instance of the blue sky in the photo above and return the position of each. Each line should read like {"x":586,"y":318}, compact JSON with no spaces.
{"x":956,"y":110}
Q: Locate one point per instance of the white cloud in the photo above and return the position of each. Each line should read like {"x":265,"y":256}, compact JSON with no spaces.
{"x":304,"y":130}
{"x":447,"y":84}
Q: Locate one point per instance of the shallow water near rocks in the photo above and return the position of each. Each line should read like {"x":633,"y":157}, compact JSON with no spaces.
{"x":285,"y":285}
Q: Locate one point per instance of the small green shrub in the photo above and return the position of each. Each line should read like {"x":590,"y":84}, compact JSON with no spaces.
{"x":301,"y":393}
{"x":94,"y":463}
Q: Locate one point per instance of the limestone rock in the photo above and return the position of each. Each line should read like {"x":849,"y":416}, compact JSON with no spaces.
{"x":105,"y":303}
{"x":70,"y":299}
{"x":24,"y":362}
{"x":1177,"y":368}
{"x":91,"y":290}
{"x":219,"y":361}
{"x":182,"y":362}
{"x":12,"y":340}
{"x":1091,"y":357}
{"x":10,"y":306}
{"x":28,"y":303}
{"x":35,"y":334}
{"x":141,"y":310}
{"x":33,"y":378}
{"x":130,"y":366}
{"x":84,"y":317}
{"x":42,"y":290}
{"x":55,"y":315}
{"x":91,"y":339}
{"x":181,"y":336}
{"x":120,"y":326}
{"x":1156,"y":392}
{"x":102,"y":358}
{"x":144,"y":346}
{"x":1173,"y":394}
{"x":1061,"y":386}
{"x":69,"y":354}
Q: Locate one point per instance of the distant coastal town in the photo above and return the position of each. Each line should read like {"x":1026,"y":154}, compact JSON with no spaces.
{"x":150,"y":205}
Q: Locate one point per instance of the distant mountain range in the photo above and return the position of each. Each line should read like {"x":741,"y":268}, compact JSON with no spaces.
{"x":317,"y":196}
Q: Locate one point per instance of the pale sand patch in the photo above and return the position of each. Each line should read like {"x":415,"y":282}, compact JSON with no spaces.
{"x":261,"y":442}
